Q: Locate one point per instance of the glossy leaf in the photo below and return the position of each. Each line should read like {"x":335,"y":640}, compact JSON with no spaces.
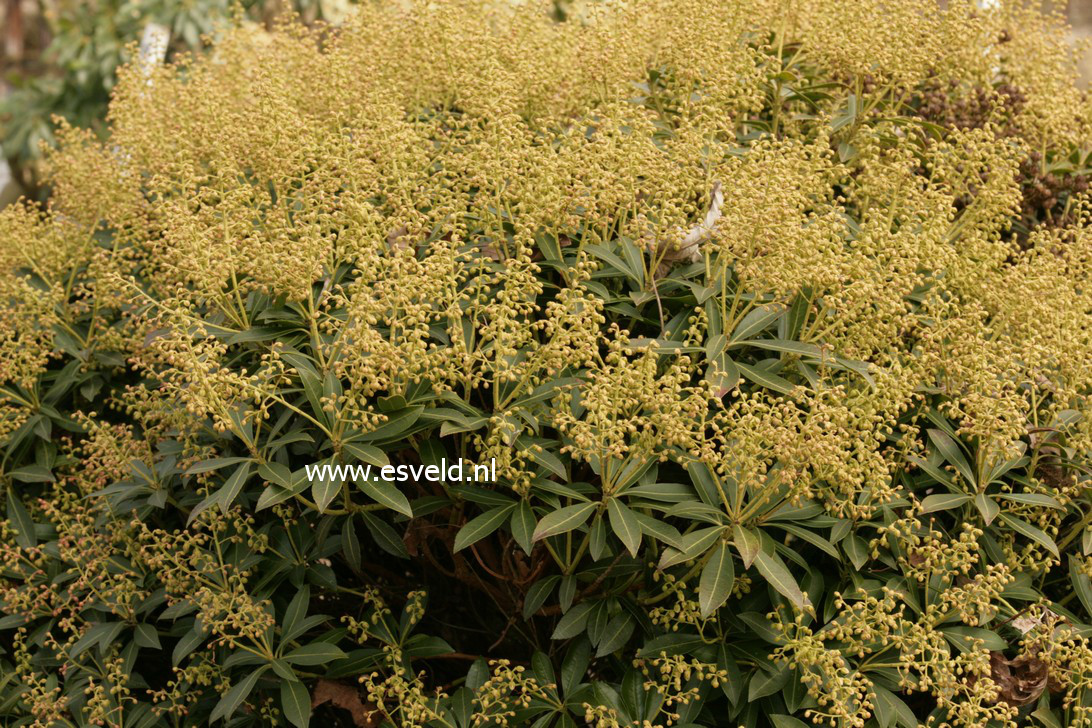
{"x":717,"y":578}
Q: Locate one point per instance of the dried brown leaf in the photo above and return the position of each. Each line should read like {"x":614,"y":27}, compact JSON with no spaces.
{"x":347,"y":698}
{"x":688,"y":250}
{"x":1021,"y":680}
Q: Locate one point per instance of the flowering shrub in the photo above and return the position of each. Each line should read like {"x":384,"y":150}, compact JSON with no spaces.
{"x":86,"y":41}
{"x":772,"y":317}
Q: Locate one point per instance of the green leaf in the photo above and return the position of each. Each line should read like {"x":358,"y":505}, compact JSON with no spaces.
{"x":1032,"y":499}
{"x":477,"y":674}
{"x":367,"y":454}
{"x":658,"y":530}
{"x":423,"y":646}
{"x":766,"y":379}
{"x":538,"y":594}
{"x":254,"y":334}
{"x":575,"y":665}
{"x":747,"y":544}
{"x":1081,"y":585}
{"x":625,"y":525}
{"x":615,"y":634}
{"x":1026,"y":529}
{"x":788,"y":347}
{"x":230,"y":491}
{"x":951,"y":451}
{"x":936,"y":473}
{"x":243,"y":423}
{"x":722,"y":374}
{"x":567,"y":592}
{"x":549,"y":246}
{"x":1001,"y":468}
{"x":147,"y":636}
{"x":189,"y":642}
{"x":323,"y":492}
{"x":775,"y":572}
{"x":1046,"y":716}
{"x":316,"y":653}
{"x":943,"y":502}
{"x":845,"y":116}
{"x":631,"y":471}
{"x":296,"y":703}
{"x":793,"y":322}
{"x":296,"y":610}
{"x":214,"y":464}
{"x":715,"y":346}
{"x":856,"y":549}
{"x":987,"y":507}
{"x":384,"y":535}
{"x":101,"y":634}
{"x":523,"y":526}
{"x":20,"y":518}
{"x":235,"y":697}
{"x":548,"y":460}
{"x":634,"y":259}
{"x":283,"y":671}
{"x":611,"y":259}
{"x":350,"y":544}
{"x":396,"y":425}
{"x":765,"y":683}
{"x":462,"y":424}
{"x":393,"y":403}
{"x":481,"y":496}
{"x":271,"y":496}
{"x":890,"y":709}
{"x":672,"y":643}
{"x":759,"y":319}
{"x":204,"y":505}
{"x":277,"y":474}
{"x":597,"y":537}
{"x":573,"y":623}
{"x":959,"y":634}
{"x":543,"y":668}
{"x":884,"y":710}
{"x":482,"y":525}
{"x":665,"y":492}
{"x":705,"y":483}
{"x":32,"y":474}
{"x":386,"y":494}
{"x":563,"y":520}
{"x":693,"y":545}
{"x":717,"y":577}
{"x":810,"y":536}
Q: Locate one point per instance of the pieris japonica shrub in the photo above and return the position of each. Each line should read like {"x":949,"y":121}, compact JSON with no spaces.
{"x":770,"y":318}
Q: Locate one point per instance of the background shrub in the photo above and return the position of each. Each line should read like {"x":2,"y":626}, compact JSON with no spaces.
{"x":778,"y":335}
{"x":85,"y":41}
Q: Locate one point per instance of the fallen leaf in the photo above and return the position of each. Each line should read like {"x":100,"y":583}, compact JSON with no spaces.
{"x":688,"y":250}
{"x":347,"y":698}
{"x":1021,"y":680}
